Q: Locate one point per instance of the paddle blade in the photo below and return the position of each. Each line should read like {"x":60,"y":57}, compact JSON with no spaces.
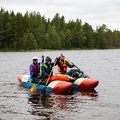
{"x":33,"y":89}
{"x":47,"y":81}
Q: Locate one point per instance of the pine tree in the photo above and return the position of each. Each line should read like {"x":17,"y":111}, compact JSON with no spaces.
{"x":89,"y":34}
{"x":101,"y":41}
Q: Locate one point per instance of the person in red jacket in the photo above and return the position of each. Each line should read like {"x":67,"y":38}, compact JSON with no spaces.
{"x":35,"y":69}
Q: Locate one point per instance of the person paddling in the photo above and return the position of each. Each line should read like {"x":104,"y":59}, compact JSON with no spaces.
{"x":45,"y":69}
{"x":63,"y":64}
{"x":34,"y":69}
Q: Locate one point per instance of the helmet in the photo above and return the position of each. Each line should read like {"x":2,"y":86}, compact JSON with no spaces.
{"x":48,"y":59}
{"x":35,"y":58}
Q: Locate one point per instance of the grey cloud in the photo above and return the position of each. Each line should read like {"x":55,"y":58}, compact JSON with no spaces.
{"x":94,"y":12}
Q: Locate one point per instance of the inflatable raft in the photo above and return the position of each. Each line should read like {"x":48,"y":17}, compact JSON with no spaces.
{"x":61,"y":83}
{"x":54,"y":86}
{"x":78,"y":83}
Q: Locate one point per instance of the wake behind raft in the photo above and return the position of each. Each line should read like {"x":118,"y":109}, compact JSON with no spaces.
{"x":60,"y":83}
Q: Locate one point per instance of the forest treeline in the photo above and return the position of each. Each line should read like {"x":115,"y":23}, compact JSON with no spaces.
{"x":32,"y":31}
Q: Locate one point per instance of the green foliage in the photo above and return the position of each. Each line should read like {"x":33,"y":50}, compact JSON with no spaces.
{"x":101,"y":41}
{"x":54,"y":39}
{"x":89,"y":34}
{"x":32,"y":31}
{"x":68,"y":39}
{"x":28,"y":42}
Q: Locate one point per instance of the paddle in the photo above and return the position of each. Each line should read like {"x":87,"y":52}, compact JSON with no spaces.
{"x":75,"y":66}
{"x":33,"y":89}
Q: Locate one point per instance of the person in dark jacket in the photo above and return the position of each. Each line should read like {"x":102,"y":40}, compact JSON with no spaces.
{"x":35,"y":69}
{"x":45,"y":69}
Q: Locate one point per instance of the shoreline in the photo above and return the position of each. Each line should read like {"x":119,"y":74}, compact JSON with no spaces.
{"x":37,"y":50}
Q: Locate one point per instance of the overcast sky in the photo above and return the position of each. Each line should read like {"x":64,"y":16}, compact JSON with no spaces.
{"x":94,"y":12}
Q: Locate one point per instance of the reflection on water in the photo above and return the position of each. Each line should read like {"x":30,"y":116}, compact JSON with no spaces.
{"x":92,"y":94}
{"x":39,"y":105}
{"x":51,"y":105}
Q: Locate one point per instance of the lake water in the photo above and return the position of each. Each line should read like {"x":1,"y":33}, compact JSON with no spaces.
{"x":101,"y":104}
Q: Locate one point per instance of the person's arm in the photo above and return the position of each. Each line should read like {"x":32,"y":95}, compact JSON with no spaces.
{"x":57,"y":61}
{"x":32,"y":70}
{"x":70,"y":65}
{"x":52,"y":64}
{"x":42,"y":59}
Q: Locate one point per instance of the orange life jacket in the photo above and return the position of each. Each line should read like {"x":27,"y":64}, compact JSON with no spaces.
{"x":62,"y":67}
{"x":61,"y":77}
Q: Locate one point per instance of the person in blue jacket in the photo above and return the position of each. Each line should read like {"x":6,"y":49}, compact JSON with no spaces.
{"x":35,"y":69}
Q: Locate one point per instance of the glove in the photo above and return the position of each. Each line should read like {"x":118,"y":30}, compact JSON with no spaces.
{"x":73,"y":65}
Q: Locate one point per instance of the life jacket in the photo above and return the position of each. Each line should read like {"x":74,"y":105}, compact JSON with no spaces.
{"x":48,"y":70}
{"x":62,"y":67}
{"x":61,"y":77}
{"x":36,"y":68}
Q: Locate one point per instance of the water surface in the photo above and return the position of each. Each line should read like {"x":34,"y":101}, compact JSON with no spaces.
{"x":103,"y":103}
